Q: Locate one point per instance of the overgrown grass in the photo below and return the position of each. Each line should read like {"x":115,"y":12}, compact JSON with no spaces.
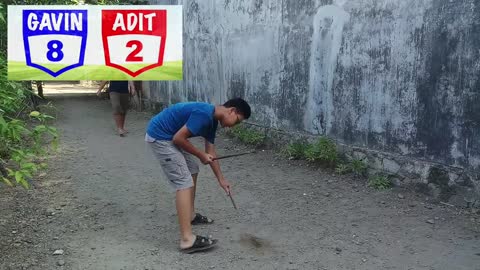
{"x":356,"y":166}
{"x":323,"y":151}
{"x":343,"y":168}
{"x":380,"y":182}
{"x":296,"y":150}
{"x":246,"y":135}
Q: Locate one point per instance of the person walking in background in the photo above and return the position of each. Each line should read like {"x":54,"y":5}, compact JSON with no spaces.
{"x":120,"y":92}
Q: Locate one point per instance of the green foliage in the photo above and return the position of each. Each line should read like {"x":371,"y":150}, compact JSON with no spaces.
{"x":247,"y":136}
{"x":379,"y":182}
{"x":116,"y":2}
{"x":22,"y":135}
{"x":343,"y":168}
{"x":296,"y":150}
{"x":358,"y":167}
{"x":22,"y":142}
{"x":324,"y":151}
{"x":2,"y":16}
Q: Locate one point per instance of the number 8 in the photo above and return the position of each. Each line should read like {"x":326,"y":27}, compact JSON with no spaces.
{"x":55,"y":46}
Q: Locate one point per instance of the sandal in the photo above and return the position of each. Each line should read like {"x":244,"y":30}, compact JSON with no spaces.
{"x":199,"y":219}
{"x":201,"y":243}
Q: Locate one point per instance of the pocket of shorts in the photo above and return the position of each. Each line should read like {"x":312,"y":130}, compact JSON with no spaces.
{"x":172,"y":169}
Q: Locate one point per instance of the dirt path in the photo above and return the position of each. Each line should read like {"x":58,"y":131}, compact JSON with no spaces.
{"x":104,"y":202}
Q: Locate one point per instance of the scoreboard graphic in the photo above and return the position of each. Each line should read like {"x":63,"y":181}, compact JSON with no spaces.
{"x":95,"y":42}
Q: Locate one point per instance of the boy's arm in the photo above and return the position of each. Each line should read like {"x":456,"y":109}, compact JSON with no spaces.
{"x":131,"y":88}
{"x":181,"y":140}
{"x":215,"y":165}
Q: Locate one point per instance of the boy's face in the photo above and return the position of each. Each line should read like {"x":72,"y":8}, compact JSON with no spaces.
{"x":231,"y":118}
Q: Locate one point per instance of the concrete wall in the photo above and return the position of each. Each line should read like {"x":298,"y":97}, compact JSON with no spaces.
{"x":397,"y":77}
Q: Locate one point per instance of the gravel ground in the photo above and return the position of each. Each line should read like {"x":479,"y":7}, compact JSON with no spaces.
{"x":105,"y":204}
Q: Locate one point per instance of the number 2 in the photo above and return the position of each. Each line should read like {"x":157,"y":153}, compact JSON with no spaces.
{"x":133,"y":56}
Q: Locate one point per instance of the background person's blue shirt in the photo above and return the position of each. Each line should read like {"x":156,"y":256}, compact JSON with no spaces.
{"x":198,"y":117}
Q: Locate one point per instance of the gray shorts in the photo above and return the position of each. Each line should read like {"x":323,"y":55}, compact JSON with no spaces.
{"x":120,"y":102}
{"x":177,"y":164}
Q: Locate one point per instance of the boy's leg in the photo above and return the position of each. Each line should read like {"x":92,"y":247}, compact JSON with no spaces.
{"x":125,"y":105}
{"x":194,"y":170}
{"x":194,"y":177}
{"x":115,"y":99}
{"x":183,"y":204}
{"x":189,"y":242}
{"x":122,"y":119}
{"x":178,"y":174}
{"x":118,"y":120}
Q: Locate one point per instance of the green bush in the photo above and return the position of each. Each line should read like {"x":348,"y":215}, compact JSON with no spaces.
{"x":247,"y":136}
{"x":23,"y":131}
{"x":343,"y":168}
{"x":358,"y":167}
{"x":22,"y":142}
{"x":379,"y":182}
{"x":324,"y":151}
{"x":296,"y":150}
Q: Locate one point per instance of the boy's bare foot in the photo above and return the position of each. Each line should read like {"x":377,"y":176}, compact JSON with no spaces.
{"x":121,"y":132}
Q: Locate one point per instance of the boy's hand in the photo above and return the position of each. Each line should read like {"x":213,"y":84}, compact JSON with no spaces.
{"x":131,"y":88}
{"x":225,"y":185}
{"x":132,"y":91}
{"x":206,"y":158}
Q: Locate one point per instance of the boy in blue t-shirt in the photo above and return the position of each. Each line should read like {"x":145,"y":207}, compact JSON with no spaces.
{"x":168,"y":134}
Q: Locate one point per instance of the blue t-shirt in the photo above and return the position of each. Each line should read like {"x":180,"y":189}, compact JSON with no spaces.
{"x":198,"y":117}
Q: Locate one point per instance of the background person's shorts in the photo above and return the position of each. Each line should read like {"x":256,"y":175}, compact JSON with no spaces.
{"x":177,"y":164}
{"x":120,"y":102}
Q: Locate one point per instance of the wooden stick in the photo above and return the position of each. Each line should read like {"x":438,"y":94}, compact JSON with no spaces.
{"x":447,"y":204}
{"x":233,"y":202}
{"x":234,"y":155}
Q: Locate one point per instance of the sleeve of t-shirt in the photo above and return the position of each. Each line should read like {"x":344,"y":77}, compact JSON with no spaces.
{"x":211,"y":134}
{"x":211,"y":138}
{"x":197,"y":122}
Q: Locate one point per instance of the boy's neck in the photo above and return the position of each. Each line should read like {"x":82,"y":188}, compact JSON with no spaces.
{"x":219,"y":112}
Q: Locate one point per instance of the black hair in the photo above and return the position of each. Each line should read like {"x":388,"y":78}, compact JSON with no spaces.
{"x":240,"y":105}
